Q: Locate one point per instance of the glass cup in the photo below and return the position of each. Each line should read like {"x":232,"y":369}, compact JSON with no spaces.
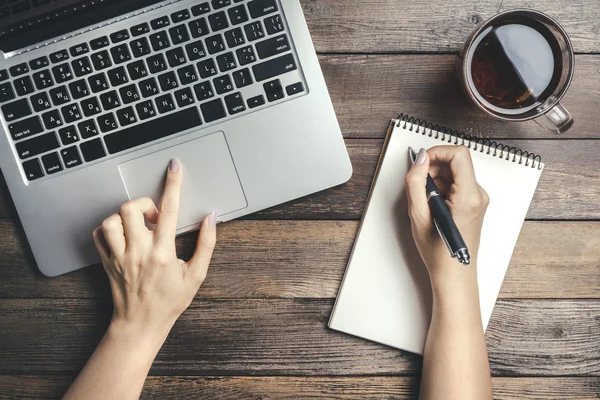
{"x":546,"y":109}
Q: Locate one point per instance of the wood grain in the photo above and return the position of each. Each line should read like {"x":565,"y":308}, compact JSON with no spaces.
{"x":289,"y":337}
{"x":304,"y":388}
{"x":307,"y":259}
{"x":373,"y":26}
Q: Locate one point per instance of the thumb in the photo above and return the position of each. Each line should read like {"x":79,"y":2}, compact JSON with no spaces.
{"x":207,"y":239}
{"x":416,"y":179}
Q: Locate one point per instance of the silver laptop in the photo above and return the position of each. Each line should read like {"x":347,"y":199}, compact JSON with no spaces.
{"x":97,"y":96}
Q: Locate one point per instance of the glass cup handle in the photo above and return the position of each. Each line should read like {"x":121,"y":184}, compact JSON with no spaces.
{"x":557,"y":119}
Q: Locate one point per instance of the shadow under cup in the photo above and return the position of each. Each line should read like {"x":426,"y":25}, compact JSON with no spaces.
{"x":517,"y":66}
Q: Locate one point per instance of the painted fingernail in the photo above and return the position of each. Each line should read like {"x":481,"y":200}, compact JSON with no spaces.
{"x":174,"y":165}
{"x":421,"y":157}
{"x":212,"y":219}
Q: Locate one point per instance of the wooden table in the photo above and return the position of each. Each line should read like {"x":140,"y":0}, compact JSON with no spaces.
{"x":257,"y":329}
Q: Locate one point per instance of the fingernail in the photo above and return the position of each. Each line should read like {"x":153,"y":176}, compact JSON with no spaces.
{"x":421,"y":157}
{"x":174,"y":165}
{"x":212,"y":219}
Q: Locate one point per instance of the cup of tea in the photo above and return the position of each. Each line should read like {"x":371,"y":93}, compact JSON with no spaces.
{"x":517,"y":66}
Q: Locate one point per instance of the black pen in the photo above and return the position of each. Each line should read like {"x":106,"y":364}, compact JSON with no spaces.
{"x":442,"y":218}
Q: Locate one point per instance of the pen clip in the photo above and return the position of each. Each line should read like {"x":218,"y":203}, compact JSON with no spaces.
{"x":437,"y":226}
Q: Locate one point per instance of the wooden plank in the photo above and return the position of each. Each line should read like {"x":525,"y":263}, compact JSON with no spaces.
{"x":307,"y":259}
{"x":368,"y":90}
{"x":433,"y":26}
{"x":295,"y":388}
{"x":289,"y":337}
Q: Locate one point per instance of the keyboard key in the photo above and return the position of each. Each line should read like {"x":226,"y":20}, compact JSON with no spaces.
{"x":137,"y":70}
{"x":238,"y":14}
{"x":156,"y":63}
{"x":92,"y":150}
{"x":129,"y":94}
{"x":140,"y":29}
{"x":200,"y":9}
{"x":101,"y":60}
{"x":246,"y":55}
{"x":60,"y":95}
{"x":274,"y":90}
{"x":294,"y":89}
{"x":168,"y":81}
{"x":43,"y":79}
{"x":37,"y":145}
{"x":242,"y":78}
{"x":107,"y":122}
{"x":98,"y":82}
{"x":165,"y":103}
{"x":207,"y":68}
{"x":25,"y":128}
{"x":52,"y":163}
{"x":179,"y":34}
{"x":59,"y":56}
{"x":218,"y":21}
{"x":110,"y":100}
{"x":235,"y":37}
{"x":176,"y":57}
{"x":145,"y":110}
{"x":152,"y":130}
{"x":3,"y":74}
{"x":235,"y":103}
{"x":19,"y":69}
{"x":126,"y":116}
{"x":71,"y":113}
{"x":91,"y":107}
{"x":120,"y":53}
{"x":184,"y":97}
{"x":215,"y":44}
{"x":6,"y":92}
{"x":275,"y":45}
{"x":254,"y":31}
{"x":159,"y":40}
{"x":274,"y":67}
{"x":223,"y":84}
{"x":99,"y":43}
{"x":195,"y":50}
{"x":220,"y":3}
{"x":40,"y":101}
{"x":78,"y":89}
{"x":274,"y":24}
{"x":52,"y":119}
{"x":213,"y":110}
{"x":70,"y":157}
{"x":82,"y":66}
{"x":226,"y":62}
{"x":87,"y":129}
{"x":23,"y":86}
{"x":140,"y":47}
{"x":256,"y":101}
{"x":148,"y":87}
{"x":187,"y":75}
{"x":199,"y":28}
{"x":119,"y":36}
{"x":159,"y":23}
{"x":39,"y":63}
{"x":33,"y":169}
{"x":62,"y":73}
{"x":259,"y":8}
{"x":204,"y":91}
{"x":16,"y":109}
{"x":179,"y":16}
{"x":78,"y":50}
{"x":68,"y":135}
{"x":117,"y":76}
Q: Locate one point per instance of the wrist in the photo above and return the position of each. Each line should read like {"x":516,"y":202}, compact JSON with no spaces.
{"x":138,"y":335}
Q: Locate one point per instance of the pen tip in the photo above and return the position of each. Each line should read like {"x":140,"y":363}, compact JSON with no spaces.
{"x":412,"y":154}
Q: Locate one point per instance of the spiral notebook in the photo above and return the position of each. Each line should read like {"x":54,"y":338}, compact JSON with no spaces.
{"x":385,"y":295}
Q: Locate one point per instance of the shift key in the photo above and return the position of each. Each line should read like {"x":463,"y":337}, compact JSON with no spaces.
{"x":274,"y":67}
{"x":25,"y":128}
{"x":37,"y":145}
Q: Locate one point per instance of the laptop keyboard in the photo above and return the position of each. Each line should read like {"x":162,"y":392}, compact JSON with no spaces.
{"x":195,"y":66}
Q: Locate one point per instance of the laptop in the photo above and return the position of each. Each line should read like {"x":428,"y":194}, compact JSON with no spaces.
{"x":98,"y":96}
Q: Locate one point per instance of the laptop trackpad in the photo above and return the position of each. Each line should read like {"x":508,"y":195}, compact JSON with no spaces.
{"x":210,"y":180}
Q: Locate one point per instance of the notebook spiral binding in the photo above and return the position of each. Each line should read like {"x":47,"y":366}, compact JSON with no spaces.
{"x":494,"y":148}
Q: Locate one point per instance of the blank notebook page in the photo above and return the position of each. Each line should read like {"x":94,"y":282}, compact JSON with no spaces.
{"x":385,"y":294}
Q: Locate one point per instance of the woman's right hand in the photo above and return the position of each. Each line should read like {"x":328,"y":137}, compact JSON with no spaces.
{"x":452,"y":170}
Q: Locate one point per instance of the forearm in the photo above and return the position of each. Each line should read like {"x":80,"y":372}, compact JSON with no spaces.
{"x":455,"y":363}
{"x":119,"y":366}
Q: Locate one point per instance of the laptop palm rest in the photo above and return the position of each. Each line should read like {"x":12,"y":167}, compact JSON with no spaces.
{"x":210,"y":180}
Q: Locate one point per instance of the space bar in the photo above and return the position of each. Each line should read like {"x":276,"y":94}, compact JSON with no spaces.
{"x":152,"y":130}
